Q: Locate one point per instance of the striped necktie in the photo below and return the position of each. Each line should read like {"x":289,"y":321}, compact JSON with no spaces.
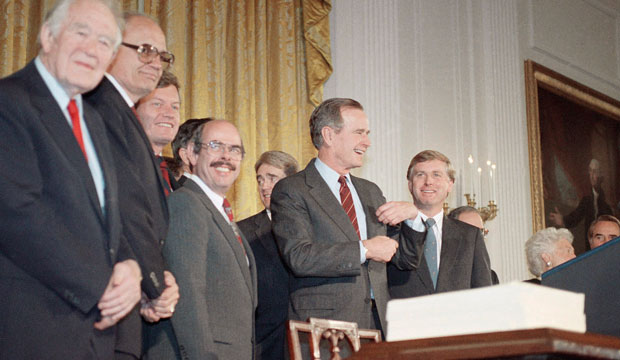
{"x":347,"y":203}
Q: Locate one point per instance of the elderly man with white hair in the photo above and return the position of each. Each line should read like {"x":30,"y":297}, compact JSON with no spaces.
{"x":547,"y":249}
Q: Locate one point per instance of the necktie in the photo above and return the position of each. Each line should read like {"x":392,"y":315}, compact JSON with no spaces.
{"x":430,"y":250}
{"x":163,"y":167}
{"x":347,"y":203}
{"x":74,"y":113}
{"x":228,"y":210}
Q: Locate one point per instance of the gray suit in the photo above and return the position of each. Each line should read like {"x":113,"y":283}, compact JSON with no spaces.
{"x":215,"y":314}
{"x":320,"y":245}
{"x":464,"y":264}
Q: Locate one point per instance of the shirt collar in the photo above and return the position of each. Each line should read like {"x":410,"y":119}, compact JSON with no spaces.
{"x":329,"y":175}
{"x":215,"y":198}
{"x":120,"y":89}
{"x":437,"y":217}
{"x":58,"y":92}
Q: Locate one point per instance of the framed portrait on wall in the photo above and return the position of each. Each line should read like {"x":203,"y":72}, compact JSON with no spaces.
{"x":574,"y":151}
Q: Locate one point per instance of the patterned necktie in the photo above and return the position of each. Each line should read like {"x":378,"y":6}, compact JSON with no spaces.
{"x":74,"y":113}
{"x":165,"y":173}
{"x":430,"y":250}
{"x":347,"y":203}
{"x":228,"y":210}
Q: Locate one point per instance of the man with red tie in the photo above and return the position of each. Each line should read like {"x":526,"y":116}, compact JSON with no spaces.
{"x":159,"y":114}
{"x":66,"y":274}
{"x":211,"y":258}
{"x":141,"y":59}
{"x":331,"y":226}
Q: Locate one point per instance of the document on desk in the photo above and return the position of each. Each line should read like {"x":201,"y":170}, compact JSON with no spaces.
{"x":512,"y":306}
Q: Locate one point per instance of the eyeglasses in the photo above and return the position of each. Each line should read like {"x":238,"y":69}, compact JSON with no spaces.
{"x":148,"y":52}
{"x":216,"y":148}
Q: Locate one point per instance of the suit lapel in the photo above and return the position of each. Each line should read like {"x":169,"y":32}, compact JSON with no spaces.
{"x":262,"y":232}
{"x":52,"y":117}
{"x":326,"y":200}
{"x":450,"y":244}
{"x":229,"y":236}
{"x":373,"y":227}
{"x":131,"y":123}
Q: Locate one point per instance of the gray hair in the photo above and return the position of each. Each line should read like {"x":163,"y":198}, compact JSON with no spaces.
{"x":59,"y":12}
{"x":455,"y":213}
{"x":279,"y":159}
{"x":543,"y":242}
{"x":328,"y":114}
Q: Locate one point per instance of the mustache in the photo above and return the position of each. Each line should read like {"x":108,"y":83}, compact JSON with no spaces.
{"x":221,"y":163}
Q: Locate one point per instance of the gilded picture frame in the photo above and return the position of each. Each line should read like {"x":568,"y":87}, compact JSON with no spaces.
{"x":552,"y":98}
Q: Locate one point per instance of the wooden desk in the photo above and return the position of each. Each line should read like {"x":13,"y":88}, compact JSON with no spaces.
{"x":510,"y":344}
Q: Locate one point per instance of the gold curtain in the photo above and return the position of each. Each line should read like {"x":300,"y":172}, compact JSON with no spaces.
{"x":258,"y":63}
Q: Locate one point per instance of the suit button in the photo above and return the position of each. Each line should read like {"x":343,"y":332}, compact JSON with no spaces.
{"x":367,"y":301}
{"x":349,"y":265}
{"x":161,"y":242}
{"x":112,"y":252}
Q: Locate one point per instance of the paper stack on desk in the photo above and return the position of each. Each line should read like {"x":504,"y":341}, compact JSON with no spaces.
{"x":513,"y":306}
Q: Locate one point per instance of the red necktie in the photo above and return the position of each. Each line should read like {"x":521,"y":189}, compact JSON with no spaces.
{"x":347,"y":203}
{"x":228,"y":210}
{"x":163,"y":167}
{"x":74,"y":113}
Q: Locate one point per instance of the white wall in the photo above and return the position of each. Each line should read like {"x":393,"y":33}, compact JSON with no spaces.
{"x":448,"y":75}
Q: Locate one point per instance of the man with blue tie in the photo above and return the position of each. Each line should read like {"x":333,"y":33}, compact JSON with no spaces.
{"x":67,"y":276}
{"x":455,"y":256}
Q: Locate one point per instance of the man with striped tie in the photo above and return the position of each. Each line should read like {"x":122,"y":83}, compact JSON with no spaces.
{"x":331,"y":226}
{"x":210,"y":256}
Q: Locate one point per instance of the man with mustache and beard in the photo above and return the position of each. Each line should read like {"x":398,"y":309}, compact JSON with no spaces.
{"x":210,"y":256}
{"x":142,"y":201}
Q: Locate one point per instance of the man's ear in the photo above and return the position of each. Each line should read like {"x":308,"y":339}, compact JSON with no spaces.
{"x":46,"y":38}
{"x":328,"y":135}
{"x":192,"y":157}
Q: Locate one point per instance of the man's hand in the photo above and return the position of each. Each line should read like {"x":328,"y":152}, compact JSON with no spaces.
{"x":380,"y":248}
{"x":556,"y":218}
{"x":395,"y":212}
{"x":163,"y":306}
{"x":121,"y":294}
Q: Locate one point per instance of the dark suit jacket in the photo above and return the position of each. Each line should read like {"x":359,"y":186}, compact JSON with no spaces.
{"x":142,"y":201}
{"x":320,"y":246}
{"x":57,"y":247}
{"x":273,"y":278}
{"x":464,"y":264}
{"x":215,"y":314}
{"x":585,"y":211}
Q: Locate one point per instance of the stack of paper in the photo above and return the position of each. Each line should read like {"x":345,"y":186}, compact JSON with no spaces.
{"x":513,"y":306}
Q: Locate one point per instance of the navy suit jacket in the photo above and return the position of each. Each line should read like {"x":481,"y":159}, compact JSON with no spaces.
{"x":273,"y":282}
{"x":142,"y":202}
{"x":57,"y":246}
{"x":464,"y":264}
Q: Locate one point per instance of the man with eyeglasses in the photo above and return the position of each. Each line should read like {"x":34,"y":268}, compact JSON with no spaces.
{"x":133,"y":74}
{"x":213,"y":261}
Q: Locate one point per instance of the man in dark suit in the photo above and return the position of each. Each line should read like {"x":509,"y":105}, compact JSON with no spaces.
{"x":142,"y":202}
{"x":455,"y":256}
{"x":179,"y":146}
{"x":66,"y":275}
{"x":591,"y":206}
{"x":330,"y":225}
{"x":273,"y":276}
{"x":210,"y":256}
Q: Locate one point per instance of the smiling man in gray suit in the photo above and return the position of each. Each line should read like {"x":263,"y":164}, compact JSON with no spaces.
{"x":213,"y":262}
{"x":459,"y":258}
{"x":331,"y":226}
